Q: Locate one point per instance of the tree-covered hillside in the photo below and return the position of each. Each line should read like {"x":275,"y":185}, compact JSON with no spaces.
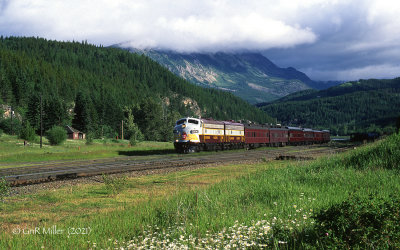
{"x":365,"y":105}
{"x":95,"y":88}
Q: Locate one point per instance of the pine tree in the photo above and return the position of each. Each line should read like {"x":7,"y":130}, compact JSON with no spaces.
{"x":33,"y":113}
{"x":81,"y":119}
{"x":56,"y":113}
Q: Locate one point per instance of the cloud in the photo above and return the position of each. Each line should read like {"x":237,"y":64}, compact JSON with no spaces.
{"x":356,"y":39}
{"x":329,"y":38}
{"x":181,"y":25}
{"x":381,"y":71}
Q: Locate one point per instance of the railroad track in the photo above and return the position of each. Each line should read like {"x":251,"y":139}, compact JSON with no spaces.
{"x":51,"y":171}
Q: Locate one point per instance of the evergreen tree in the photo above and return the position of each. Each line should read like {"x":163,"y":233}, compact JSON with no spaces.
{"x":33,"y":112}
{"x":6,"y":89}
{"x":27,"y":132}
{"x":81,"y":119}
{"x":133,"y":132}
{"x":150,"y":120}
{"x":55,"y":113}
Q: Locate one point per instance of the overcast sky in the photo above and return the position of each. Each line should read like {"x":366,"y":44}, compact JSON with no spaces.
{"x":326,"y":39}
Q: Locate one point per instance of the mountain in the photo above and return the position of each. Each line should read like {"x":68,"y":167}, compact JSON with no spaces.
{"x":96,"y":88}
{"x":364,"y":105}
{"x":250,"y":76}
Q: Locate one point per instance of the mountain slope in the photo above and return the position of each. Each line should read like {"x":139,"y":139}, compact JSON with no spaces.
{"x":250,"y":76}
{"x":350,"y":107}
{"x":107,"y":81}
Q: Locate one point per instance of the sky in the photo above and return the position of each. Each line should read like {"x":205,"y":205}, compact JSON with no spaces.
{"x":326,"y":39}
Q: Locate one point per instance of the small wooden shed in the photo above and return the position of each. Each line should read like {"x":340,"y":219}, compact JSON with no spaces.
{"x":74,"y":134}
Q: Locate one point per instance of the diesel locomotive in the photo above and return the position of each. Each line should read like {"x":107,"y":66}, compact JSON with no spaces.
{"x":193,"y":135}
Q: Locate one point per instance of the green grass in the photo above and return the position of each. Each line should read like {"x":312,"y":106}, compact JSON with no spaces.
{"x":13,"y":151}
{"x":270,"y":203}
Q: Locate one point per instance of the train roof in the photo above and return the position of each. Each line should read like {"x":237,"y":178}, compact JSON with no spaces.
{"x":210,"y":121}
{"x":256,"y":126}
{"x":278,"y":129}
{"x":294,"y":128}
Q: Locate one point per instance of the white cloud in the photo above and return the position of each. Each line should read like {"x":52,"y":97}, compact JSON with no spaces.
{"x":182,"y":25}
{"x":343,"y":34}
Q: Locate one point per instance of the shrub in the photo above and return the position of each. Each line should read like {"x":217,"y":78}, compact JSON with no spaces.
{"x":107,"y":132}
{"x":361,"y":223}
{"x":56,"y":135}
{"x":135,"y":135}
{"x":1,"y":132}
{"x":89,"y":138}
{"x":27,"y":132}
{"x":7,"y":126}
{"x":4,"y":188}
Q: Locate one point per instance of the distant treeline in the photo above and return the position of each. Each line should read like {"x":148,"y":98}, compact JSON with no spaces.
{"x":360,"y":106}
{"x":95,"y":88}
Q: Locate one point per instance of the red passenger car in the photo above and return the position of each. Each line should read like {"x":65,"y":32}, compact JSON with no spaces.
{"x":296,"y":135}
{"x":326,"y":135}
{"x":256,"y":135}
{"x":308,"y":136}
{"x":278,"y":137}
{"x":318,"y":136}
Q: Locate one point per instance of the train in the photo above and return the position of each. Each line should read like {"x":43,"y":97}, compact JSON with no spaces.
{"x":199,"y":134}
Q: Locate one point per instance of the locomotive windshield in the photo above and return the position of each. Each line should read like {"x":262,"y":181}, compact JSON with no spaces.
{"x":193,"y":121}
{"x":182,"y":121}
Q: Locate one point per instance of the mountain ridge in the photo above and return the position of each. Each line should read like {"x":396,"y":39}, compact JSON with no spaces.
{"x":249,"y":75}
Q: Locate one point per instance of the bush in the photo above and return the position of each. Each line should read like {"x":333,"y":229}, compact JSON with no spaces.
{"x":361,"y":223}
{"x":56,"y":135}
{"x":107,"y":132}
{"x":27,"y":132}
{"x":1,"y":132}
{"x":89,"y":138}
{"x":135,"y":135}
{"x":4,"y":188}
{"x":6,"y":125}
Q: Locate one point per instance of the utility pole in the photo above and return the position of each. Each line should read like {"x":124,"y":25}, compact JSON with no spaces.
{"x":12,"y":129}
{"x":122,"y":130}
{"x":41,"y":120}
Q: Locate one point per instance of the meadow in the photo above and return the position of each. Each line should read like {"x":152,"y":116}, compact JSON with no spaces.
{"x":348,"y":200}
{"x":13,"y":152}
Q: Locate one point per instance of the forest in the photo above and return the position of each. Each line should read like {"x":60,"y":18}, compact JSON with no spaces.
{"x":94,"y":88}
{"x":360,"y":106}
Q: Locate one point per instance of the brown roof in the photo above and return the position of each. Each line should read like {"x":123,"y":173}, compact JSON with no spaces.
{"x":71,"y":130}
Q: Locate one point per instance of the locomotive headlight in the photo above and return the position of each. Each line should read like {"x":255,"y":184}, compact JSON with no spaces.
{"x":194,"y":131}
{"x":183,"y":125}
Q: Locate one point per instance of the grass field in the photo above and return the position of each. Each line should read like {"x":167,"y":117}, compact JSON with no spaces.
{"x":13,"y":151}
{"x":278,"y":204}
